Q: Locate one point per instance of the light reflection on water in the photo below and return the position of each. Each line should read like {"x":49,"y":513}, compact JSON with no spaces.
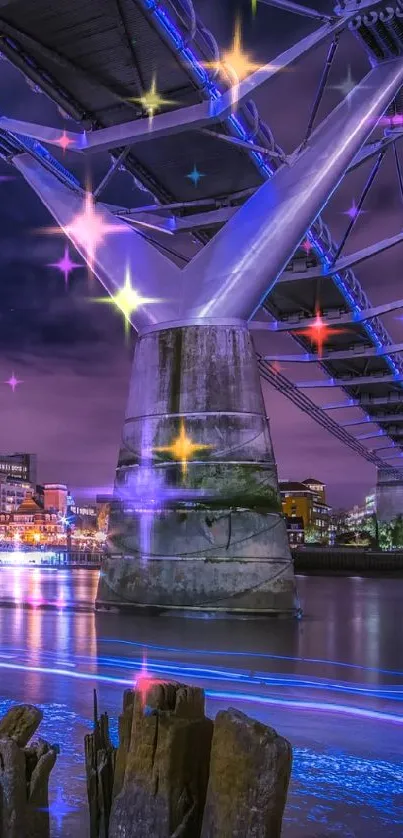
{"x":347,"y":771}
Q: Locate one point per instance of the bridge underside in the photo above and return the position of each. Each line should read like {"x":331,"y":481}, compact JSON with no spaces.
{"x":196,"y":523}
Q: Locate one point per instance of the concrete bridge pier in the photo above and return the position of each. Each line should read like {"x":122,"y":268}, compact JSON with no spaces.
{"x":196,"y":526}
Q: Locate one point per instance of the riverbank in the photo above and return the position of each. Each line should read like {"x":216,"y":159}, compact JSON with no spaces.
{"x":347,"y":561}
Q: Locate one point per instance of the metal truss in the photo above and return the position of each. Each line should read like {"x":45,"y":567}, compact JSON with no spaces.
{"x":395,"y":398}
{"x":343,"y":263}
{"x":288,"y":389}
{"x":293,"y":324}
{"x":357,"y":351}
{"x":171,"y":122}
{"x":354,"y":381}
{"x":391,"y":418}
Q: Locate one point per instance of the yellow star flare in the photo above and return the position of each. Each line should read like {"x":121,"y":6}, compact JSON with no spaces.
{"x":236,"y":63}
{"x":127,"y":299}
{"x":182,"y":448}
{"x":152,"y":101}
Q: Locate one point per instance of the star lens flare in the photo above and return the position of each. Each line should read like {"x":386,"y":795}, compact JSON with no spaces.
{"x":65,"y":265}
{"x":64,"y":141}
{"x":13,"y":382}
{"x":127,"y":299}
{"x":152,"y":101}
{"x":182,"y":448}
{"x":318,"y":333}
{"x":235,"y":64}
{"x":89,"y":229}
{"x":144,"y":682}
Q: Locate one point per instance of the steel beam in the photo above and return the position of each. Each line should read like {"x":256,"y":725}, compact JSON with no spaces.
{"x":342,"y":355}
{"x":382,"y":432}
{"x":395,"y":398}
{"x":343,"y":263}
{"x":396,"y":456}
{"x":371,"y":149}
{"x":217,"y":203}
{"x":246,"y":256}
{"x":348,"y":318}
{"x":371,"y":435}
{"x":357,"y":381}
{"x":180,"y":224}
{"x":297,"y":8}
{"x":386,"y":417}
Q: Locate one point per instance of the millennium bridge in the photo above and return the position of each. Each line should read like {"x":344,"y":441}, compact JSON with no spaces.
{"x":207,"y":268}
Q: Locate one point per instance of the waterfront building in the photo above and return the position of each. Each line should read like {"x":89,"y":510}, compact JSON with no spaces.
{"x":53,"y":496}
{"x":21,"y":467}
{"x":31,"y":524}
{"x":12,"y":493}
{"x":307,"y":500}
{"x":358,"y":516}
{"x":295,"y":531}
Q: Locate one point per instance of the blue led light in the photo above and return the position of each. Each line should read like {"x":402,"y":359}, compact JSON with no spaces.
{"x":39,"y":150}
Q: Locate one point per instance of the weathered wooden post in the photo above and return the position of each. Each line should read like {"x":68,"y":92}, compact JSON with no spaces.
{"x":24,"y":775}
{"x":100,"y":768}
{"x":250,"y":769}
{"x":162,"y":764}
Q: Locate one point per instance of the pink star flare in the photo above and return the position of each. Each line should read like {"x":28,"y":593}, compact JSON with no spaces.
{"x":144,"y":681}
{"x":65,"y":265}
{"x":64,"y":141}
{"x":13,"y":382}
{"x":88,"y":229}
{"x":307,"y":246}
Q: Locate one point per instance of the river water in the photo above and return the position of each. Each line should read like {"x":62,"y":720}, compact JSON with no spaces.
{"x":332,"y":683}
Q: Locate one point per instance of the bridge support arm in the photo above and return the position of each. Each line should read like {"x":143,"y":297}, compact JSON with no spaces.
{"x":236,"y":270}
{"x":154,"y":278}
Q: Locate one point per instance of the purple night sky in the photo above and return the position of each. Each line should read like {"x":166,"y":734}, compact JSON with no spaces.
{"x":72,"y":356}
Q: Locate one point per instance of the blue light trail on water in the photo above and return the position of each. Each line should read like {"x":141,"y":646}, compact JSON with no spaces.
{"x":242,"y":679}
{"x":250,"y":654}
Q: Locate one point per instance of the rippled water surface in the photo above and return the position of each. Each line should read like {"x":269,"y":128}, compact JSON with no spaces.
{"x":331,"y":682}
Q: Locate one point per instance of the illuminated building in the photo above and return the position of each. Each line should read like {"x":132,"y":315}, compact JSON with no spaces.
{"x":295,"y":530}
{"x":12,"y":494}
{"x":31,"y":524}
{"x":53,"y":496}
{"x":18,"y":467}
{"x":317,"y":487}
{"x":358,"y":515}
{"x":307,"y":500}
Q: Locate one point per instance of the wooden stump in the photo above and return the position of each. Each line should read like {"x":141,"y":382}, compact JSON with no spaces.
{"x":24,"y":775}
{"x":164,"y":764}
{"x":249,"y":774}
{"x":172,"y":777}
{"x":100,"y":768}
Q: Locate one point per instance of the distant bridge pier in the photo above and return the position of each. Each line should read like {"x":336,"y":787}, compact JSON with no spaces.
{"x":389,"y":494}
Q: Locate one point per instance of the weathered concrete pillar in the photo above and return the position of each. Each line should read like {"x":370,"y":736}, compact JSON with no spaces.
{"x":196,"y":525}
